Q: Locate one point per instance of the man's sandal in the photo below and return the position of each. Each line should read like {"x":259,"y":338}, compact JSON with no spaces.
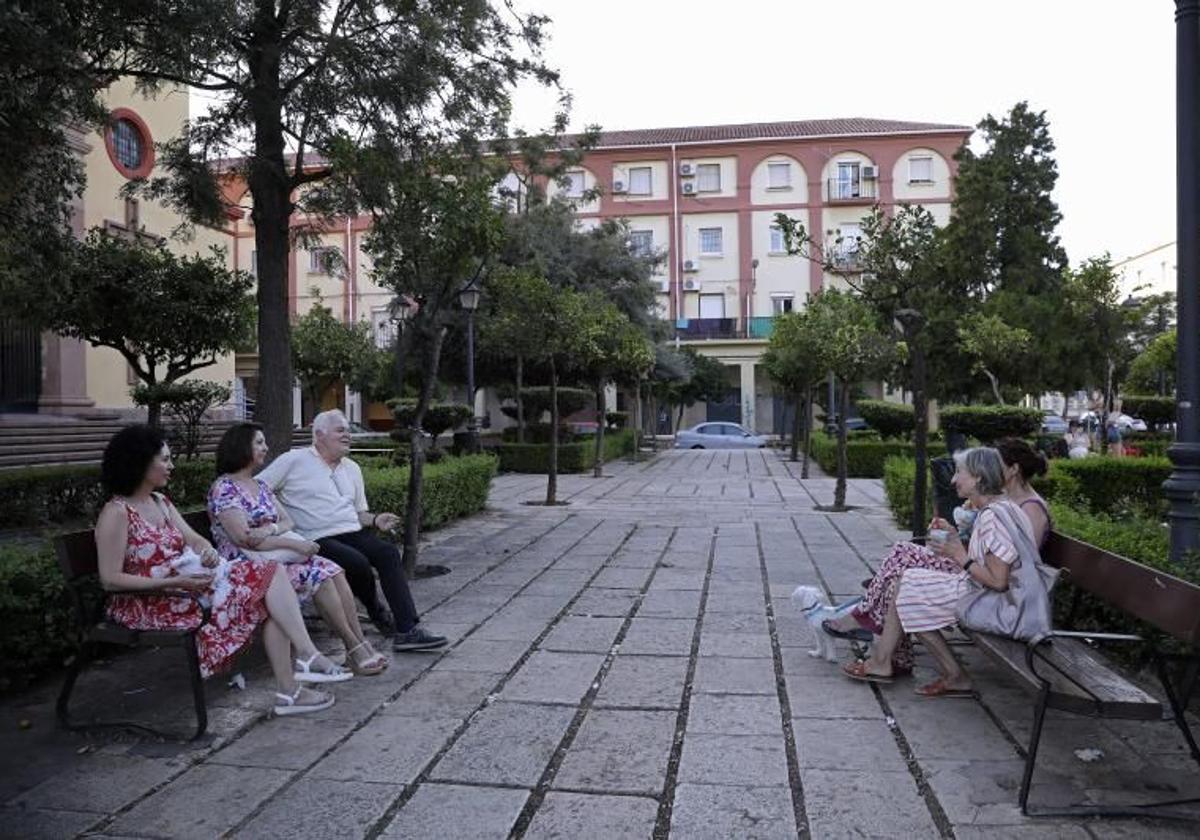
{"x":938,"y":688}
{"x":331,"y":674}
{"x":294,"y":704}
{"x":858,"y":671}
{"x":372,"y":665}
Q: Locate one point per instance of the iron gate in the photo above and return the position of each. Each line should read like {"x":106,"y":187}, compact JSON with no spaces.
{"x":20,"y":366}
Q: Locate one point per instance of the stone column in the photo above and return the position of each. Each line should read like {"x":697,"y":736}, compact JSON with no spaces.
{"x":64,"y":360}
{"x":748,"y":395}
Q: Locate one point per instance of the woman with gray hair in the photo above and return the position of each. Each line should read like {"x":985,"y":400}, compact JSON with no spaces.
{"x":984,"y":585}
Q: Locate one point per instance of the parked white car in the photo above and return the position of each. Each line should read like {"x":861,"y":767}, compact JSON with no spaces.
{"x":718,"y":436}
{"x":1124,"y":422}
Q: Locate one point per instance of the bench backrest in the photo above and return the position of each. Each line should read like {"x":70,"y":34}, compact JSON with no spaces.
{"x":1157,"y":598}
{"x":76,"y":550}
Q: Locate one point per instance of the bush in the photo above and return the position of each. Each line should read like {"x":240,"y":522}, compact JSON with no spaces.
{"x":899,"y":475}
{"x":1155,"y":410}
{"x":453,"y":488}
{"x":572,"y":457}
{"x":443,"y":417}
{"x":537,"y":402}
{"x":539,"y":433}
{"x":988,"y":423}
{"x":1058,"y":486}
{"x":1118,"y":485}
{"x":184,"y":404}
{"x":891,"y":420}
{"x":69,"y":495}
{"x":36,"y":634}
{"x":864,"y":458}
{"x":617,"y":419}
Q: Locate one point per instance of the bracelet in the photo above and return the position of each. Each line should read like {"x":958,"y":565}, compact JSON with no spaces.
{"x":967,"y":565}
{"x":375,"y":521}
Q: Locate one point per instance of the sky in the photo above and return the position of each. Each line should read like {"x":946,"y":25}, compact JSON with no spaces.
{"x":1102,"y":70}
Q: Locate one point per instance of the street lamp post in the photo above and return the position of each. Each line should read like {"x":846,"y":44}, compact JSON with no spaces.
{"x":1183,"y":487}
{"x":468,"y":299}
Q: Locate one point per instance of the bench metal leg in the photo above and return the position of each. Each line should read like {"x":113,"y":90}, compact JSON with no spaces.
{"x":1178,"y":708}
{"x":1039,"y":717}
{"x":193,"y":663}
{"x":62,"y":707}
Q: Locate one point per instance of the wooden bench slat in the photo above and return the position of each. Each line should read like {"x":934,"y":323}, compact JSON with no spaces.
{"x":1080,"y":681}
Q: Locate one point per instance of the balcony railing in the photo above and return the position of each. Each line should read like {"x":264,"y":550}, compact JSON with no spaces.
{"x":707,"y":329}
{"x":851,"y":190}
{"x":846,"y":260}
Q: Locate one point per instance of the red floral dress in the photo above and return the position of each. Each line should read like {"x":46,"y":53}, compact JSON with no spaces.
{"x":231,"y":626}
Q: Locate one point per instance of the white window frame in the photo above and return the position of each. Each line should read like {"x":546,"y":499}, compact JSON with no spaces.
{"x":777,"y":302}
{"x":720,"y":232}
{"x":777,"y":245}
{"x":384,"y":329}
{"x":914,"y":180}
{"x":702,"y":168}
{"x":317,"y":264}
{"x":649,"y":170}
{"x":787,"y":167}
{"x":569,"y":190}
{"x":639,"y":251}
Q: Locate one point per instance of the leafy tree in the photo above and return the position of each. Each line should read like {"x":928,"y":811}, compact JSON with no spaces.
{"x":436,"y":227}
{"x":167,"y":315}
{"x":671,"y":372}
{"x":1002,"y":241}
{"x":503,"y":328}
{"x":293,"y":84}
{"x":994,"y":346}
{"x":707,"y":383}
{"x":853,"y":348}
{"x":793,"y":359}
{"x":325,"y":350}
{"x":1153,"y":370}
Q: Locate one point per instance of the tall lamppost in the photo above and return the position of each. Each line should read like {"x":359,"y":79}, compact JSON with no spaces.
{"x":468,"y":299}
{"x":1183,"y":487}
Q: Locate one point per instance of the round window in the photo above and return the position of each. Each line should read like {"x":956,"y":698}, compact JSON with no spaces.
{"x":127,"y":144}
{"x":127,"y":140}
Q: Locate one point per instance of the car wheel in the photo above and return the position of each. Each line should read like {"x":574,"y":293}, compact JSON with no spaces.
{"x":697,"y":446}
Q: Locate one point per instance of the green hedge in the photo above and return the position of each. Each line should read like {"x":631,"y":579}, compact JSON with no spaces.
{"x":1154,"y":410}
{"x":899,"y":475}
{"x":453,"y":488}
{"x":39,"y":497}
{"x":572,"y":457}
{"x":892,"y":420}
{"x":36,"y":630}
{"x":988,"y":423}
{"x":1116,"y":485}
{"x":864,"y":458}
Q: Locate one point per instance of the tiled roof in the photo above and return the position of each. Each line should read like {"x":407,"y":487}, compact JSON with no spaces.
{"x":843,"y":127}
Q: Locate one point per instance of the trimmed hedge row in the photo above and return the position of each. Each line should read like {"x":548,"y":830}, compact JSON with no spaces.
{"x":572,"y":457}
{"x":1116,"y":485}
{"x":990,"y":422}
{"x":899,"y":475}
{"x":891,"y":420}
{"x":36,"y":633}
{"x":864,"y":458}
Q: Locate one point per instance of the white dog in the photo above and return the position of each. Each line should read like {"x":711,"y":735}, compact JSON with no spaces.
{"x":815,"y":607}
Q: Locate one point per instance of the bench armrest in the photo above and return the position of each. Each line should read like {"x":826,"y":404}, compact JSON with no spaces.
{"x":1102,"y":637}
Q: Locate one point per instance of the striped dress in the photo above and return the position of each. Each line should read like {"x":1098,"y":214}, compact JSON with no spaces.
{"x":928,"y":598}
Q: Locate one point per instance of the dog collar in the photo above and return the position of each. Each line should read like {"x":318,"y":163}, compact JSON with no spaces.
{"x":807,"y":610}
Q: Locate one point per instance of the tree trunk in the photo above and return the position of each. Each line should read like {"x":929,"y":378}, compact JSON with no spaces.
{"x":797,"y":425}
{"x":154,"y":413}
{"x":598,"y":467}
{"x":1105,"y":405}
{"x":678,"y":419}
{"x":270,"y":188}
{"x":416,"y":474}
{"x":520,"y":400}
{"x":839,"y":491}
{"x":552,"y":472}
{"x":995,"y":386}
{"x":920,"y":435}
{"x":637,"y":421}
{"x":653,"y":421}
{"x":808,"y":418}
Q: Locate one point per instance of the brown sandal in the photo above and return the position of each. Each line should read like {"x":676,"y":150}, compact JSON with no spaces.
{"x":858,"y":671}
{"x":938,"y":688}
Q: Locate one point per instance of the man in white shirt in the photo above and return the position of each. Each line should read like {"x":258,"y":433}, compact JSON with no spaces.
{"x":322,"y":490}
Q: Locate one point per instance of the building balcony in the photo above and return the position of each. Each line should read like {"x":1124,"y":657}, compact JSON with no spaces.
{"x":729,"y":329}
{"x":845,"y":261}
{"x":851,"y":191}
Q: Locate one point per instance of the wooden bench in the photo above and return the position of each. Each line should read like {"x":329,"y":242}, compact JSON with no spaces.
{"x":78,"y":560}
{"x":1064,"y":672}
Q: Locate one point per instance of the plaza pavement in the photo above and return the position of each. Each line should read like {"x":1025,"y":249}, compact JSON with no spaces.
{"x":627,"y":665}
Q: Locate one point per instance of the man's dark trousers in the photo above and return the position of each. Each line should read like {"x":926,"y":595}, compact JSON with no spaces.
{"x":357,"y":552}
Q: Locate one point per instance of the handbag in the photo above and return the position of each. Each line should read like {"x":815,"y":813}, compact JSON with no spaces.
{"x":1022,"y":611}
{"x":278,"y":555}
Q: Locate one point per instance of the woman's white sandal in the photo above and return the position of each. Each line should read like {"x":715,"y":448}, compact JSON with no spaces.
{"x":372,"y":666}
{"x":305,"y":673}
{"x":289,"y":704}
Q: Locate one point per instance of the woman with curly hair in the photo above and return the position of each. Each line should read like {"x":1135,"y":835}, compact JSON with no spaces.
{"x":144,"y":549}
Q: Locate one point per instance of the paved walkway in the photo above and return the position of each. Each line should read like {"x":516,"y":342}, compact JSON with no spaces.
{"x":628,"y":665}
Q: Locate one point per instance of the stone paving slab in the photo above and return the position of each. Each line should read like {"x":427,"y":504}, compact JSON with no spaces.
{"x":537,"y":719}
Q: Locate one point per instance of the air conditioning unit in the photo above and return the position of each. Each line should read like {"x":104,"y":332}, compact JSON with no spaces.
{"x":687,"y":170}
{"x":690,"y":285}
{"x":619,"y":187}
{"x":664,"y":286}
{"x":690,"y":265}
{"x":687,"y":188}
{"x":870,"y":173}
